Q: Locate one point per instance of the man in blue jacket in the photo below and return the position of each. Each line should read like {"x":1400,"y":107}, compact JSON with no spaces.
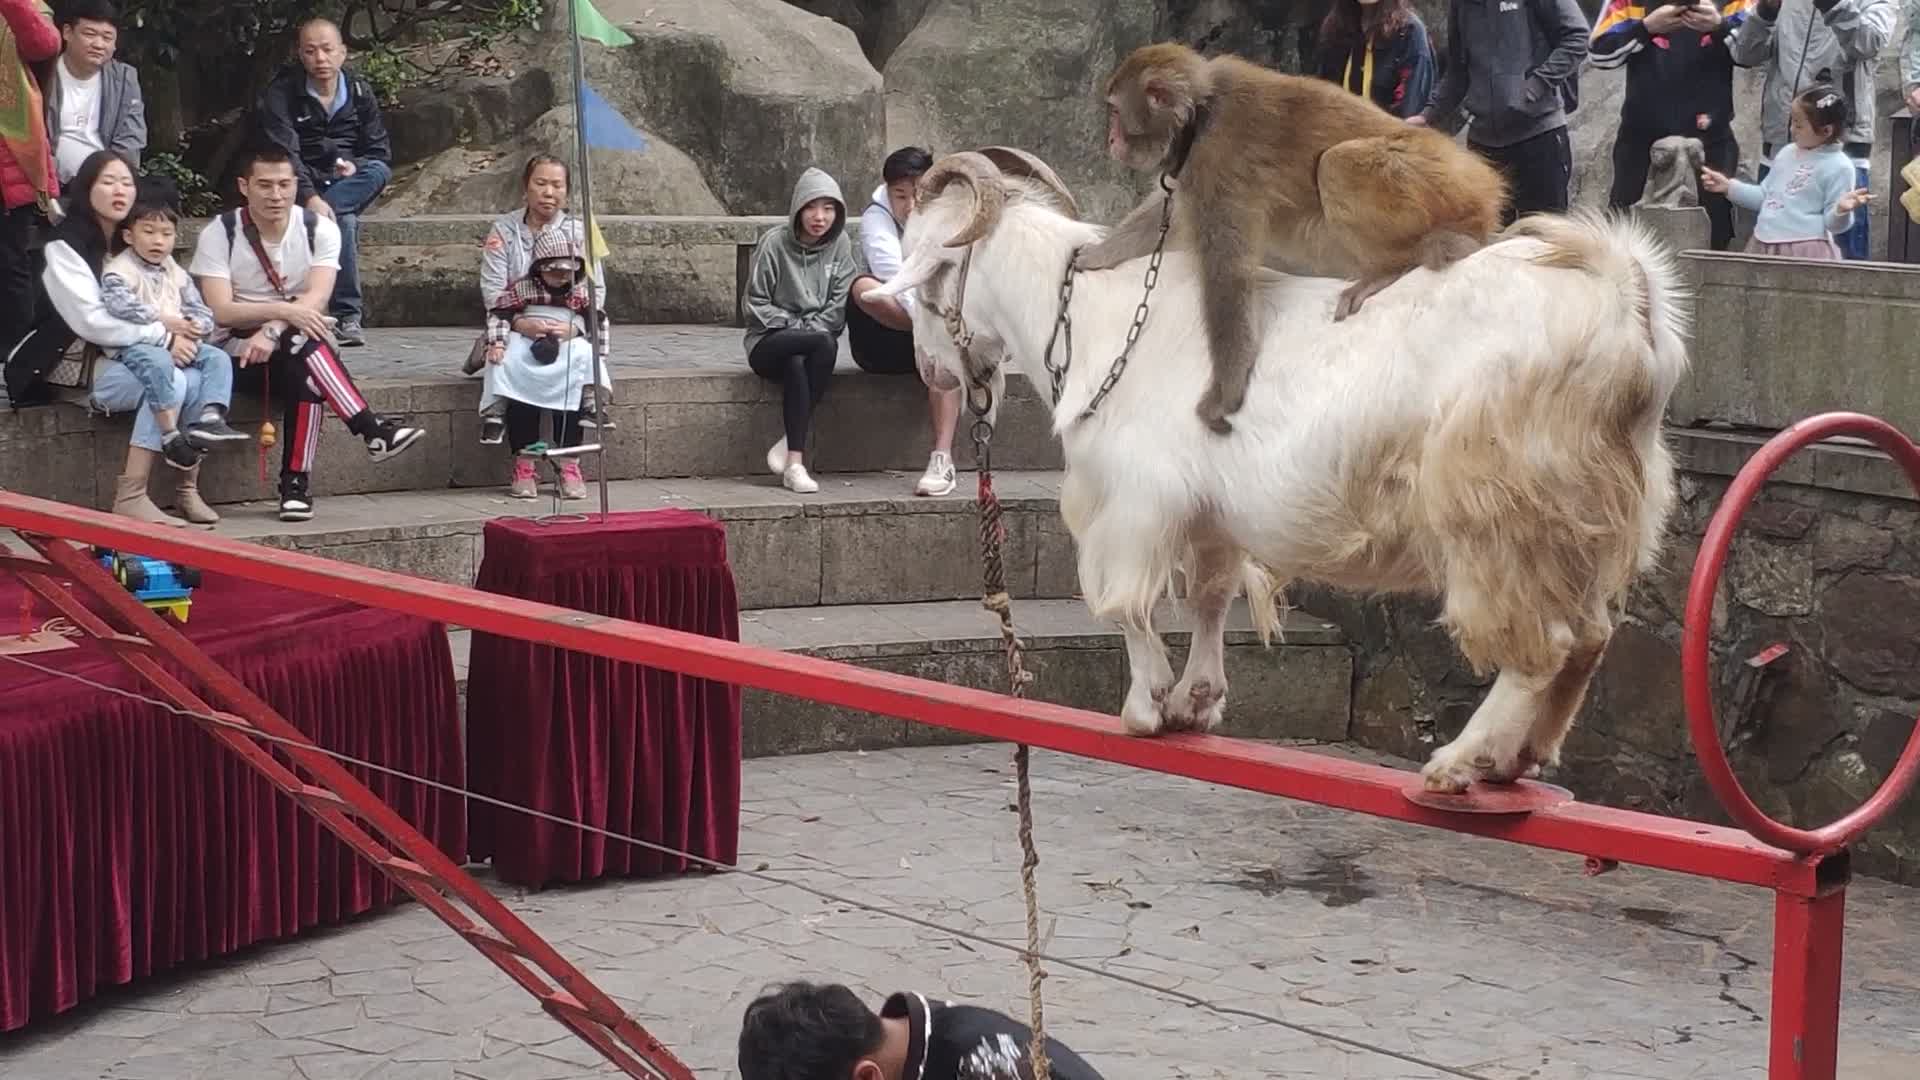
{"x":1513,"y":64}
{"x":328,"y":119}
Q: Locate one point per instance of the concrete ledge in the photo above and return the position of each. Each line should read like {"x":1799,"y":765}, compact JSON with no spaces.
{"x":864,"y":539}
{"x":1835,"y":466}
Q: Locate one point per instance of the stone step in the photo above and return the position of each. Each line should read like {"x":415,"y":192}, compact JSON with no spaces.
{"x":686,"y":405}
{"x":863,"y":538}
{"x":1297,"y":689}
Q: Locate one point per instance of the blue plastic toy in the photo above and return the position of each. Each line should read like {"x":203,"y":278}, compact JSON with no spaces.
{"x":160,"y":585}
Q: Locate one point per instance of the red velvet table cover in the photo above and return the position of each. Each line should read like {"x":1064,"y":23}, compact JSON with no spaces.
{"x":132,"y":842}
{"x":636,"y":750}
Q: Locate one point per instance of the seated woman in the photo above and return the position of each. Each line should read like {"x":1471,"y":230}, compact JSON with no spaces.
{"x":150,"y":323}
{"x":1378,"y":49}
{"x":796,"y":310}
{"x":540,"y":359}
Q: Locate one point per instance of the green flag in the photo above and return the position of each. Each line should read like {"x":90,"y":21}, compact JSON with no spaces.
{"x":595,"y":27}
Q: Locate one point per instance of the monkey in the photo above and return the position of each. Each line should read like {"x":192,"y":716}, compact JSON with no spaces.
{"x":1265,"y":165}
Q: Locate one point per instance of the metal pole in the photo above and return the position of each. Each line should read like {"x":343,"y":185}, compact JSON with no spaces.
{"x":586,"y":210}
{"x":1807,"y":936}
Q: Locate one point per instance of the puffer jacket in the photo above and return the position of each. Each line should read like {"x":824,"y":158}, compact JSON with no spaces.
{"x":1804,"y":42}
{"x":31,"y":34}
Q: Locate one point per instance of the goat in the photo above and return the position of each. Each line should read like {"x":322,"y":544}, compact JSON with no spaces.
{"x":1491,"y":434}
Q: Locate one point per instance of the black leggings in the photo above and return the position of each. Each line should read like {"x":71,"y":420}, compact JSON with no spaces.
{"x":801,"y":361}
{"x":1631,"y":150}
{"x":523,"y":425}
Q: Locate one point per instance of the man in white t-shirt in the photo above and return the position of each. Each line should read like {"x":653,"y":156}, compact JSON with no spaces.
{"x":271,"y":310}
{"x":93,"y":102}
{"x":880,"y":330}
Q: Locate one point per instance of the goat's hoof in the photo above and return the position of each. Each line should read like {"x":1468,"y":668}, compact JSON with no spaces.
{"x":1200,"y":707}
{"x":1145,"y":717}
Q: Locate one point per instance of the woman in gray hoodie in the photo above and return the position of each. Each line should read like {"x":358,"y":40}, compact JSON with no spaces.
{"x":796,"y":309}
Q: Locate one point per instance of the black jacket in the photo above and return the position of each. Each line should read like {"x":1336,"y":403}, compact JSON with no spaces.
{"x":294,"y":119}
{"x":965,"y":1042}
{"x":1678,"y":84}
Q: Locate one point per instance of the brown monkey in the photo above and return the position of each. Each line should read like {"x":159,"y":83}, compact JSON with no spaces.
{"x":1268,"y":165}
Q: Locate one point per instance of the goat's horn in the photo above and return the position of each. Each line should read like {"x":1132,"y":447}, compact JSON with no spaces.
{"x":982,"y":178}
{"x":1016,"y":162}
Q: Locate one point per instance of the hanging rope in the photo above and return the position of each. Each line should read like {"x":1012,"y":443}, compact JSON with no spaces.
{"x":993,"y":535}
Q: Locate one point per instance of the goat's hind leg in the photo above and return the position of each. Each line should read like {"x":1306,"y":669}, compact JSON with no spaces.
{"x":1199,"y":699}
{"x":1149,"y":676}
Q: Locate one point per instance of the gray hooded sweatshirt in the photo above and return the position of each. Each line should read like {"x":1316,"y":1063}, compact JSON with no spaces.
{"x":796,"y":285}
{"x":1837,"y":42}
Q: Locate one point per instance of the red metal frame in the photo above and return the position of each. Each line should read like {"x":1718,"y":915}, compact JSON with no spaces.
{"x":1808,"y":873}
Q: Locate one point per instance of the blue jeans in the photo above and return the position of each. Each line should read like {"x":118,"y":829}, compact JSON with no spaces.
{"x":349,"y":198}
{"x":145,"y":375}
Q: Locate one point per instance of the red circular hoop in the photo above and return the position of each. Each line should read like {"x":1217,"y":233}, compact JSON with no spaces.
{"x":1695,"y":663}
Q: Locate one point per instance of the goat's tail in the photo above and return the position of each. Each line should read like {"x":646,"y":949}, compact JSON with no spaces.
{"x":1265,"y":599}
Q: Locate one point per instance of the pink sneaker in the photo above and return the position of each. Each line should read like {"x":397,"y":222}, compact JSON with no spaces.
{"x":526,"y":482}
{"x":572,"y":484}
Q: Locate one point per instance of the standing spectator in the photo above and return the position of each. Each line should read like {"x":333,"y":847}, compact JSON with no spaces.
{"x":1811,"y":196}
{"x":796,"y":309}
{"x":93,"y":101}
{"x":1679,"y":82}
{"x":1380,"y":50}
{"x":1807,"y":43}
{"x":880,"y":329}
{"x":28,"y":185}
{"x":1513,"y":64}
{"x":266,"y":270}
{"x":328,"y":118}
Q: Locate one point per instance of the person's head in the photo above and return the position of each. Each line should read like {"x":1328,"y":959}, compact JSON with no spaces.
{"x":150,"y":229}
{"x":557,"y":261}
{"x":817,"y":217}
{"x":901,"y":172}
{"x":1375,"y":20}
{"x":1819,"y":117}
{"x":268,"y":184}
{"x":807,"y":1031}
{"x":818,"y":212}
{"x":90,"y":31}
{"x":104,"y":187}
{"x":545,"y":181}
{"x":322,"y":51}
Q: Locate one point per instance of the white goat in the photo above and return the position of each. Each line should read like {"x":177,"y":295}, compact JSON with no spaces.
{"x":1490,"y":433}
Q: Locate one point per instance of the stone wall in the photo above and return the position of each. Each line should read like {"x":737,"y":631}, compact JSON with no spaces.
{"x":1825,"y":562}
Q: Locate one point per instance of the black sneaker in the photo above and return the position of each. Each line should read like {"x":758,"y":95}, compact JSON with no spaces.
{"x":295,"y":503}
{"x":493,"y":431}
{"x":350,"y":333}
{"x":179,"y":450}
{"x":213,"y":430}
{"x":390,"y":437}
{"x":594,"y":413}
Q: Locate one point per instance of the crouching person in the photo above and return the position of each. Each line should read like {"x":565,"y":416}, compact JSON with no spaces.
{"x":541,"y":361}
{"x":806,"y":1031}
{"x":267,"y":271}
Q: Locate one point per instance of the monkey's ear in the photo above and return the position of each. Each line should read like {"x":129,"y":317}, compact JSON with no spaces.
{"x":1159,"y":94}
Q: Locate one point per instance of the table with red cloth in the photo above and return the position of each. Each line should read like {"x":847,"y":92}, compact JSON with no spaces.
{"x":635,"y":750}
{"x":132,"y":842}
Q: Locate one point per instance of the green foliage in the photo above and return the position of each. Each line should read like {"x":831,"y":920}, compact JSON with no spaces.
{"x":197,"y":198}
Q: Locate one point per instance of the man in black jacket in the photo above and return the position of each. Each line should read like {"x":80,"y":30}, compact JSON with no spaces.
{"x":328,"y":119}
{"x":807,"y":1031}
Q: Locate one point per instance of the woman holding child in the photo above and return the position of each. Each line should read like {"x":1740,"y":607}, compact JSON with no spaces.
{"x":536,"y":352}
{"x":111,"y":281}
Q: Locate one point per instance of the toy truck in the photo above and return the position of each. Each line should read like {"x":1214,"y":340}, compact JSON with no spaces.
{"x":160,"y":585}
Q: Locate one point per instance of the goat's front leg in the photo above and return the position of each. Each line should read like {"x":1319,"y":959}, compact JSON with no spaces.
{"x":1149,"y":677}
{"x":1199,"y":699}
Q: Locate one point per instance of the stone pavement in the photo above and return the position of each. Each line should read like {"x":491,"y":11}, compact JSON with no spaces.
{"x":1498,"y":961}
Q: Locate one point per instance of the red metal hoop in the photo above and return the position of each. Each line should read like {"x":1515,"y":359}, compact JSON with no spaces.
{"x":1696,"y":664}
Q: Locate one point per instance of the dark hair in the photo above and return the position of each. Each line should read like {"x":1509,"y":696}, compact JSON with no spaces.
{"x":72,"y":11}
{"x":806,"y":1031}
{"x":1826,"y":107}
{"x":1348,"y":21}
{"x":150,"y":210}
{"x":264,"y":155}
{"x":537,"y":160}
{"x":79,"y":228}
{"x":906,"y":163}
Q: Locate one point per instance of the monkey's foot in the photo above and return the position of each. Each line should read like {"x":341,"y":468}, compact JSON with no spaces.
{"x":1359,"y":292}
{"x":1214,"y":409}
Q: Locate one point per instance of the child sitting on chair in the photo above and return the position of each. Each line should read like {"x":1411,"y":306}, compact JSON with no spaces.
{"x":540,"y":362}
{"x":807,"y":1031}
{"x":143,"y":285}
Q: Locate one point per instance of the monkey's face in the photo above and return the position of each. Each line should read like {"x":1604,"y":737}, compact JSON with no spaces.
{"x":1140,"y":125}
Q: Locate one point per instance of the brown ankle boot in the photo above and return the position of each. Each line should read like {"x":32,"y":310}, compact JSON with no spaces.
{"x":130,"y":498}
{"x":188,"y":503}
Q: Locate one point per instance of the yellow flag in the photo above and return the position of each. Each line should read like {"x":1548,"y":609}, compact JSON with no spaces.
{"x":597,"y":247}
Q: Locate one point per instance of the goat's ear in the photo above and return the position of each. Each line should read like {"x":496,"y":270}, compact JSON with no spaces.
{"x":916,"y":271}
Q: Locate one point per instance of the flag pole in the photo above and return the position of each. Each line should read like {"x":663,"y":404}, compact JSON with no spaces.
{"x":587,"y":234}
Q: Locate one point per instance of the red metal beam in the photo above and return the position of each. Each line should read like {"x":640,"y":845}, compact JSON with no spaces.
{"x":1601,"y":832}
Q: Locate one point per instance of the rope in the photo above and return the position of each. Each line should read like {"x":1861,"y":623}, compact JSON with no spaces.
{"x":1182,"y":996}
{"x":993,"y":534}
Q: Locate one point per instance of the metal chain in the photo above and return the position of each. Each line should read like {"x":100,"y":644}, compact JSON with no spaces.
{"x":1139,"y":313}
{"x":1062,"y":327}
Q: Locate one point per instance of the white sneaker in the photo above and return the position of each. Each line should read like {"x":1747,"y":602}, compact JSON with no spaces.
{"x":797,"y":481}
{"x":938,"y":479}
{"x":777,"y":457}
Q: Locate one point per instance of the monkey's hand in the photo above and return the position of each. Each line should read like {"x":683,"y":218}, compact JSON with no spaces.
{"x":1104,"y":255}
